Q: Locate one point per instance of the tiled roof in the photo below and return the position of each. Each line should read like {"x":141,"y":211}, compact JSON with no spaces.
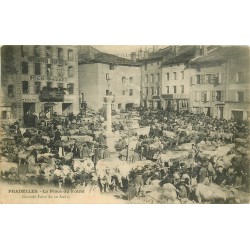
{"x":157,"y":55}
{"x":185,"y":53}
{"x":222,"y":54}
{"x":101,"y":57}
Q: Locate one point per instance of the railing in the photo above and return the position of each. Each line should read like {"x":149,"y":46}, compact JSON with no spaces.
{"x":51,"y":95}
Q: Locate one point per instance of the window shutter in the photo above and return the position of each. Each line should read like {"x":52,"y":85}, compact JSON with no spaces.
{"x":208,"y":96}
{"x":213,"y":96}
{"x":222,"y":96}
{"x":202,"y":96}
{"x":219,"y":78}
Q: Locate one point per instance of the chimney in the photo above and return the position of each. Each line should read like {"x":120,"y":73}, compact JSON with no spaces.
{"x":198,"y":51}
{"x":140,"y":53}
{"x":145,"y":54}
{"x":176,"y":50}
{"x":204,"y":49}
{"x":133,"y":56}
{"x":155,"y":48}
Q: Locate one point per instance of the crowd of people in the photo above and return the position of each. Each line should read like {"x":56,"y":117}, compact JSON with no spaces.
{"x":45,"y":153}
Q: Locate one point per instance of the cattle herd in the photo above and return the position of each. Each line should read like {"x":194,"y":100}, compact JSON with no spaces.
{"x":159,"y":156}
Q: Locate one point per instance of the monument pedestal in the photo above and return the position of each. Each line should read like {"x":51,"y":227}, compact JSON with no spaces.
{"x":110,"y":141}
{"x":110,"y":136}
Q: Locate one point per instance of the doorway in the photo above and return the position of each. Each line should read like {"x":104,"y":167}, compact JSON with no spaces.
{"x":28,"y":114}
{"x":237,"y":115}
{"x":67,"y":108}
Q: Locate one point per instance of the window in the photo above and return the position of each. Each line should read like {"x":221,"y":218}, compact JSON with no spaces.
{"x":219,"y":96}
{"x":145,"y":66}
{"x":70,"y":55}
{"x":204,"y":96}
{"x":198,"y":79}
{"x":158,"y":77}
{"x":37,"y":87}
{"x":111,"y":66}
{"x":131,"y":92}
{"x":175,"y":76}
{"x":167,"y":89}
{"x":60,"y":71}
{"x":25,"y":87}
{"x":119,"y":105}
{"x":240,"y":96}
{"x":208,"y":78}
{"x":158,"y":91}
{"x":60,"y":53}
{"x":146,"y":90}
{"x":175,"y":89}
{"x":70,"y":88}
{"x":24,"y":51}
{"x":4,"y":115}
{"x":152,"y":90}
{"x":37,"y":69}
{"x":131,"y":79}
{"x":37,"y":51}
{"x":168,"y":76}
{"x":49,"y":70}
{"x":123,"y":79}
{"x":10,"y":91}
{"x":147,"y":78}
{"x":107,"y":77}
{"x":152,"y":78}
{"x":182,"y":74}
{"x":182,"y":89}
{"x":48,"y":51}
{"x":240,"y":77}
{"x":70,"y":71}
{"x":123,"y":92}
{"x":24,"y":68}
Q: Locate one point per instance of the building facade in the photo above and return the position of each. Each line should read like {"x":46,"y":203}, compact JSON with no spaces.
{"x":103,"y":73}
{"x":220,"y":86}
{"x":166,"y":78}
{"x":39,"y":79}
{"x":151,"y":76}
{"x":176,"y":73}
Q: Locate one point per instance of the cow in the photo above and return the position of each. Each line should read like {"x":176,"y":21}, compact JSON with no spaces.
{"x":23,"y":156}
{"x":211,"y":193}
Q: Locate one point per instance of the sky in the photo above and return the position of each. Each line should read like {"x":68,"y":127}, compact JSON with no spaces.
{"x":123,"y":50}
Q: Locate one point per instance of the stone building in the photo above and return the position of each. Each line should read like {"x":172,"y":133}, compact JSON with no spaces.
{"x":101,"y":73}
{"x":176,"y":73}
{"x":220,"y":86}
{"x":39,"y":79}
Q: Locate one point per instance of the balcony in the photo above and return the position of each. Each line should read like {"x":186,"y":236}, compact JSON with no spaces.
{"x":51,"y":95}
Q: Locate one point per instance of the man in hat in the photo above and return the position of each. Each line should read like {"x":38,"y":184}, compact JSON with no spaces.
{"x":84,"y":152}
{"x":182,"y":190}
{"x":139,"y":183}
{"x":57,"y":136}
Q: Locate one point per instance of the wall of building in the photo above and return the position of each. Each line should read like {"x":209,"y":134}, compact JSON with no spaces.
{"x":179,"y":76}
{"x":27,"y":54}
{"x":197,"y":103}
{"x":147,"y":69}
{"x":88,"y":82}
{"x":95,"y":79}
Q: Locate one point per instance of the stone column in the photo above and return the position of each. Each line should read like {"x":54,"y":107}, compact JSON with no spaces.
{"x":110,"y":137}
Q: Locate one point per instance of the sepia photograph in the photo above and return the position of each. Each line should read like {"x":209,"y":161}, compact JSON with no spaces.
{"x":124,"y":124}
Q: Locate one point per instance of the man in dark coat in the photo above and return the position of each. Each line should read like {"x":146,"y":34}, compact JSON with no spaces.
{"x":57,"y":135}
